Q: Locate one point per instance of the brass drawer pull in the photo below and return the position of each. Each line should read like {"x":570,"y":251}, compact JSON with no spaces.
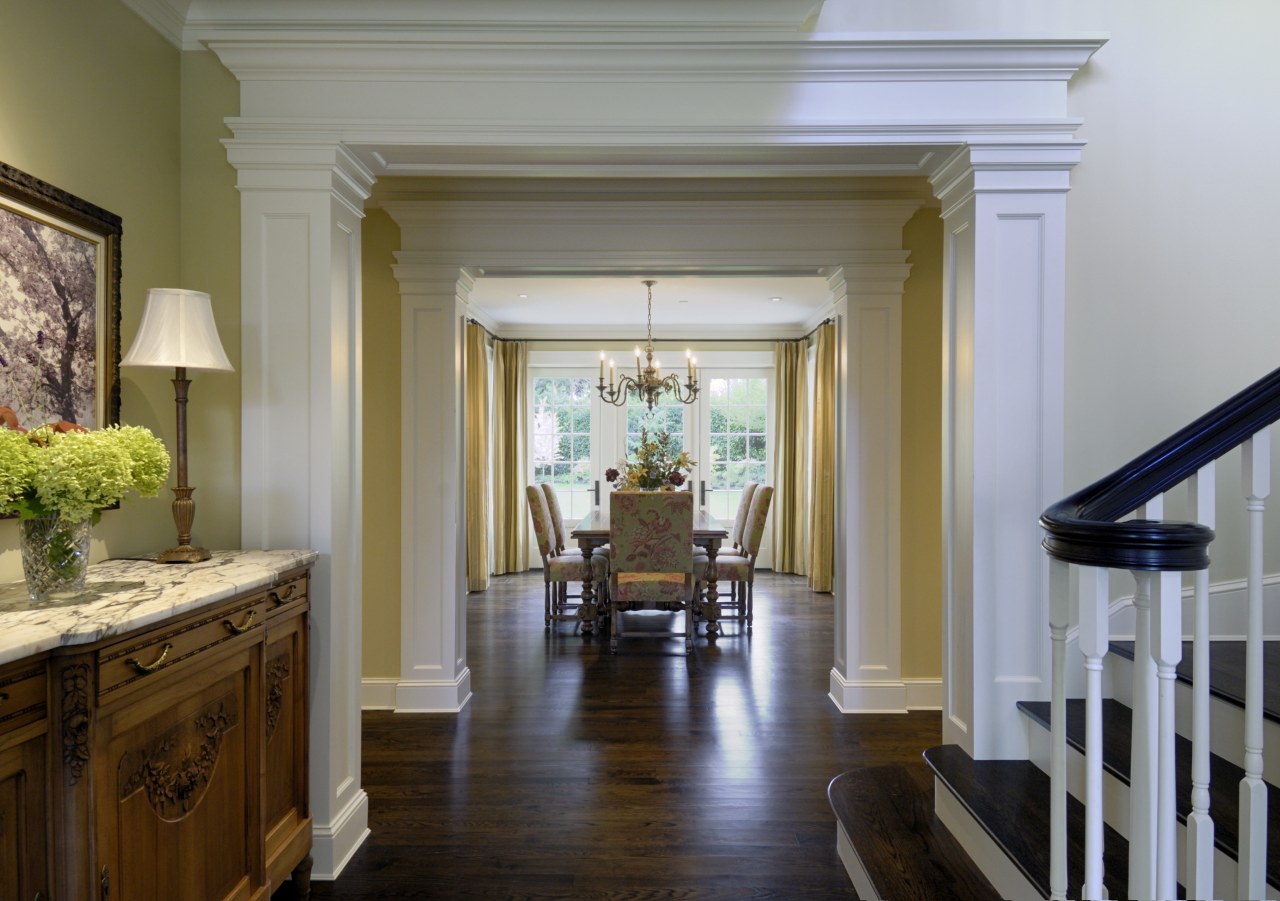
{"x":277,"y":598}
{"x":243,"y":627}
{"x":153,"y":666}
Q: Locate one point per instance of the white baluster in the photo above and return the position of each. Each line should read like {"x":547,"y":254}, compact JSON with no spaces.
{"x":1199,"y":881}
{"x":1059,"y":618}
{"x":1094,"y":637}
{"x":1256,"y":466}
{"x":1166,"y":651}
{"x":1142,"y":769}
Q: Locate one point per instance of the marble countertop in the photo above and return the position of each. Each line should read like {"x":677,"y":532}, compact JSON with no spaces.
{"x":122,"y":595}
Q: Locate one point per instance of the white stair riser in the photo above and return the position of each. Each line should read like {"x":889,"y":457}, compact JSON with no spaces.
{"x":1115,"y":810}
{"x":1226,"y":720}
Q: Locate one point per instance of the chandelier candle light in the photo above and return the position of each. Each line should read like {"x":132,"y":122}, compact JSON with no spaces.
{"x":649,"y":383}
{"x":178,"y":331}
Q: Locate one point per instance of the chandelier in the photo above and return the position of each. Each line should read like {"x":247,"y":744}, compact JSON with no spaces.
{"x":649,"y":383}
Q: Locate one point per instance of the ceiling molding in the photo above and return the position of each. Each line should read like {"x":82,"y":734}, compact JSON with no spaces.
{"x":169,"y":17}
{"x":400,"y":54}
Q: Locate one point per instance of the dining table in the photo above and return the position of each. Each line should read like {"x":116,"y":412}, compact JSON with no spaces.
{"x":593,"y":532}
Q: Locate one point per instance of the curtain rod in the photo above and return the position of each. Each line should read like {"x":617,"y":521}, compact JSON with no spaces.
{"x":598,"y":341}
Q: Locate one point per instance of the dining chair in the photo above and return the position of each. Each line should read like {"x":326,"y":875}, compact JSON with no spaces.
{"x":739,"y":568}
{"x":558,"y":570}
{"x":651,"y":565}
{"x":733,"y":547}
{"x":561,"y":532}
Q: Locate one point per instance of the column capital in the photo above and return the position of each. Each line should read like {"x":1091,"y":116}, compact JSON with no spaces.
{"x":301,"y":166}
{"x":1006,"y":167}
{"x":430,"y":274}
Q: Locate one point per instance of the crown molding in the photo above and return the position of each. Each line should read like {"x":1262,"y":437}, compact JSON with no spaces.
{"x":402,"y":54}
{"x":169,"y":17}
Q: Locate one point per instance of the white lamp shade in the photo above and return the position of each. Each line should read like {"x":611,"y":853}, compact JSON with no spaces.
{"x":177,"y":331}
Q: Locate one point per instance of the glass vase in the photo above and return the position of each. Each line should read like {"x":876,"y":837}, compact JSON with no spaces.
{"x":55,"y":555}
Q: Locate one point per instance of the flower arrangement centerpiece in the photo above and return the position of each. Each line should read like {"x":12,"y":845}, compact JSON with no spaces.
{"x":58,"y":478}
{"x":659,"y":465}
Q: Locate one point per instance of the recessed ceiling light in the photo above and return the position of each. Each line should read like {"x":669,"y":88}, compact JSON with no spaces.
{"x":776,"y":299}
{"x":523,"y":296}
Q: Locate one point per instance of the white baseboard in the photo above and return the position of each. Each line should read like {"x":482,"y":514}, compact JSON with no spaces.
{"x":378,"y":694}
{"x":924,"y":694}
{"x":404,"y":696}
{"x":433,"y":697}
{"x":1228,"y":611}
{"x":887,"y":696}
{"x":333,"y":844}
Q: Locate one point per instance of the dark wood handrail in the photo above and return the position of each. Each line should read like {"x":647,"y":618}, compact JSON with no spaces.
{"x":1083,"y":528}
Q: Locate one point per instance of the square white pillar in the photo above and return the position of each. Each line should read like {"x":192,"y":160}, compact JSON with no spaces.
{"x":1004,"y":213}
{"x":300,"y":212}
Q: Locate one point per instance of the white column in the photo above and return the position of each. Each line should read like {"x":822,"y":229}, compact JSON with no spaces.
{"x":1004,"y":213}
{"x":300,"y":212}
{"x":434,"y":676}
{"x":867,"y":675}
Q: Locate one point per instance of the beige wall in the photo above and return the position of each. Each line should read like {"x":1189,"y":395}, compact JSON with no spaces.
{"x":90,"y":105}
{"x":922,"y":449}
{"x":1171,"y":228}
{"x":381,"y":324}
{"x":210,"y":244}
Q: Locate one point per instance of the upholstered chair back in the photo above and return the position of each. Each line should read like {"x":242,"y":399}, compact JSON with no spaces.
{"x":557,"y":521}
{"x":744,"y":508}
{"x":541,"y":516}
{"x":651,"y":541}
{"x":753,"y":531}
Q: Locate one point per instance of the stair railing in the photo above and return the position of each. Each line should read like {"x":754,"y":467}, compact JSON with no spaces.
{"x":1089,"y":531}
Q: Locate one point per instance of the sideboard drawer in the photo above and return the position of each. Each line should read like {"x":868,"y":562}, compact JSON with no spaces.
{"x":132,"y":659}
{"x":287,"y":596}
{"x":22,"y":695}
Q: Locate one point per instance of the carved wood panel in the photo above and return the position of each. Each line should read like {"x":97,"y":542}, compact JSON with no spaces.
{"x":75,"y":720}
{"x":174,"y":769}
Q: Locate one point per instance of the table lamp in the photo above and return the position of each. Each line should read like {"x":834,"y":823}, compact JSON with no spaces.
{"x":178,"y":330}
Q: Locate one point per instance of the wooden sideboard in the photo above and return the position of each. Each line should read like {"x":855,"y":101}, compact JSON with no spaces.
{"x":163,"y":761}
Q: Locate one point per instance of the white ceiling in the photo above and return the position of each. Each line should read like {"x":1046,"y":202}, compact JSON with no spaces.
{"x":728,"y":304}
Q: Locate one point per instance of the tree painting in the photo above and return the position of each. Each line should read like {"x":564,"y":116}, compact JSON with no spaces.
{"x":48,"y":332}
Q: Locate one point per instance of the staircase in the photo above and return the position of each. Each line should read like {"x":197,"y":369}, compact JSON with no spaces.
{"x":1153,"y":785}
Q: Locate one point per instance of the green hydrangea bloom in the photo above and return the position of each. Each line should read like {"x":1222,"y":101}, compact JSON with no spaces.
{"x":77,"y":474}
{"x":17,"y":468}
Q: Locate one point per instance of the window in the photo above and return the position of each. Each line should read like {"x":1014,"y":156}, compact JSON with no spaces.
{"x":737,"y":440}
{"x":561,"y":436}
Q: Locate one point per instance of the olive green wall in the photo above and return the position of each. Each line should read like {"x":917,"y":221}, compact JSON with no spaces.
{"x":921,"y":522}
{"x":91,"y":106}
{"x":210,"y":253}
{"x":380,"y":239}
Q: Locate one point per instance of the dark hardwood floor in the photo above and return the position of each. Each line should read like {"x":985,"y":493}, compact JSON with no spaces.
{"x":573,"y":773}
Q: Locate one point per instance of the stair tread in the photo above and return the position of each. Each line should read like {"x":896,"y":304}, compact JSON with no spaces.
{"x":1010,"y":798}
{"x":1224,"y":776}
{"x":1226,"y":671}
{"x":887,"y":812}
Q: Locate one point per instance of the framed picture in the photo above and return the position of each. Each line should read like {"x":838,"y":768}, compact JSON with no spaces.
{"x":59,"y":305}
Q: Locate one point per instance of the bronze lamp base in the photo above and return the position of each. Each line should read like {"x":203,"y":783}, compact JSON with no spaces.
{"x":184,"y":553}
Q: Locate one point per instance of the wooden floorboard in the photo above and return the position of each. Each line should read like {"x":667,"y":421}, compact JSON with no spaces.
{"x":574,"y":773}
